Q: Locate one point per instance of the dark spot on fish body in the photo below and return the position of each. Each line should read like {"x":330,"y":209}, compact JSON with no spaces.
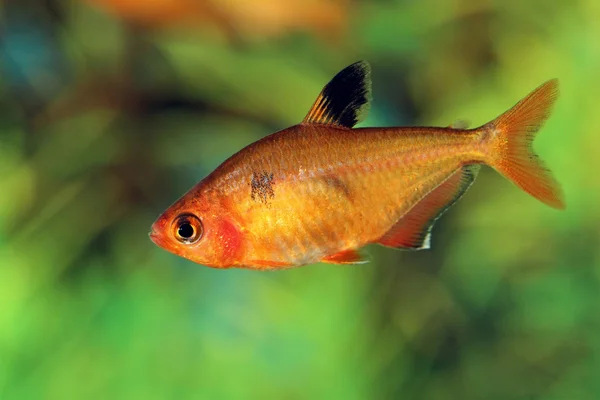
{"x":262,"y":187}
{"x":488,"y":132}
{"x":338,"y":185}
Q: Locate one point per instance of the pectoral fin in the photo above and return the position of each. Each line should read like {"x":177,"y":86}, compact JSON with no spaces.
{"x":413,"y":230}
{"x":346,"y":257}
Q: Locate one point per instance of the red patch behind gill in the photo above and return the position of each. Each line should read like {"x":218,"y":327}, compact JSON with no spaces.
{"x":230,"y":240}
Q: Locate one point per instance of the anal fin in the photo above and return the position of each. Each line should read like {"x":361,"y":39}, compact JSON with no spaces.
{"x":346,"y":257}
{"x":413,"y":230}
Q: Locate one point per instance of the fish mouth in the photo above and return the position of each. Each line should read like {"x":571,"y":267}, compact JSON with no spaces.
{"x":156,"y":237}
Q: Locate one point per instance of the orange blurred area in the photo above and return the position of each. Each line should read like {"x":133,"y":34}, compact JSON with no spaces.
{"x":260,"y":18}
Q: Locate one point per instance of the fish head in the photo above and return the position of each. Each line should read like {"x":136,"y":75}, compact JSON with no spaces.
{"x":200,"y":228}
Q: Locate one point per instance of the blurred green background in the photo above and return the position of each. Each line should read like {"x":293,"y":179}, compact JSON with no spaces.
{"x":111,"y":109}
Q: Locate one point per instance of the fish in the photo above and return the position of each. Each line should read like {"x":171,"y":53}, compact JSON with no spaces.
{"x":321,"y":190}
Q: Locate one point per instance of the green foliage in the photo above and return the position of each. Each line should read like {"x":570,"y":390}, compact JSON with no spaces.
{"x":504,"y":306}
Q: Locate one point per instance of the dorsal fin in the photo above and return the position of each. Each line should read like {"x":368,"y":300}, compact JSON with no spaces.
{"x":413,"y":230}
{"x":345,"y":100}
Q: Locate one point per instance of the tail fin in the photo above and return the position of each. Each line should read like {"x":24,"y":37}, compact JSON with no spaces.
{"x":512,"y":153}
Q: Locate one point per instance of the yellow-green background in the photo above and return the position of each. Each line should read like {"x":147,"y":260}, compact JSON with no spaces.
{"x":106,"y":119}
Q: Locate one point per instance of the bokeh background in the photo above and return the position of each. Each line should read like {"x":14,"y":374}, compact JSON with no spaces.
{"x":111,"y":109}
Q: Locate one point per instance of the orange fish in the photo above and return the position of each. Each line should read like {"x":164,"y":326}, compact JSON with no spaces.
{"x":321,"y":190}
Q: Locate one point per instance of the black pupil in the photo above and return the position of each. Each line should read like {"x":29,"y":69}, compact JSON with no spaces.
{"x":186,"y":230}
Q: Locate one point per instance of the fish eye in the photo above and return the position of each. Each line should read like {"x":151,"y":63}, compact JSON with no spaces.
{"x":187,"y":229}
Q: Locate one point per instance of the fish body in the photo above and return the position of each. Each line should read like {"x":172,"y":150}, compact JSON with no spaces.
{"x":321,"y":190}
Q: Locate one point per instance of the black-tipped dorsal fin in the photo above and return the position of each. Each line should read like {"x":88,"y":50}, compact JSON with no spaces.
{"x":345,"y":100}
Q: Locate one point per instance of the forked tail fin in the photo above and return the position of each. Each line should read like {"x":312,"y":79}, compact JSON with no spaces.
{"x":512,"y":154}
